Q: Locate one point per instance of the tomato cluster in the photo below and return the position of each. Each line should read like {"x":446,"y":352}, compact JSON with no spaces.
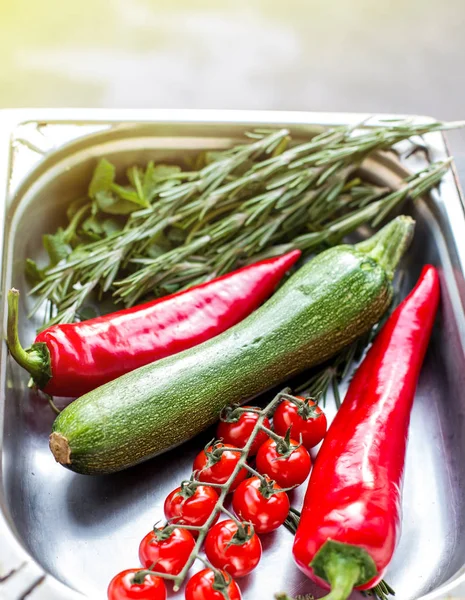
{"x":260,"y":501}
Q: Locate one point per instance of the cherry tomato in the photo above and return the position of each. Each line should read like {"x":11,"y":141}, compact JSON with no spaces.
{"x":308,"y":423}
{"x":194,"y":509}
{"x":262,"y":505}
{"x":287,"y":470}
{"x":122,"y":587}
{"x":216,"y":467}
{"x":168,"y":548}
{"x":235,"y":549}
{"x":208,"y":585}
{"x":237,"y":432}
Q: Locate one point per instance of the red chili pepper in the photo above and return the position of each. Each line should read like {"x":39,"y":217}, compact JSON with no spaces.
{"x":351,"y":515}
{"x":75,"y":358}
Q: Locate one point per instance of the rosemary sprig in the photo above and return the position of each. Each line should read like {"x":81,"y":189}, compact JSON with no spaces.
{"x":299,"y":597}
{"x":225,"y":242}
{"x":381,"y":591}
{"x":254,"y":200}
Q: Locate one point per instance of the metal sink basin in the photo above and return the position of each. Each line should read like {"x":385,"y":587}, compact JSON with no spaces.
{"x":62,"y":535}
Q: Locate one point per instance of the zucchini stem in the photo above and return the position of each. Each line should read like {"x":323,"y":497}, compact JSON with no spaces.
{"x":389,"y":244}
{"x":60,"y":448}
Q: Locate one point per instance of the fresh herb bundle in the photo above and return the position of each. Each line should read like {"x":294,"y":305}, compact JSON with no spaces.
{"x":169,"y":228}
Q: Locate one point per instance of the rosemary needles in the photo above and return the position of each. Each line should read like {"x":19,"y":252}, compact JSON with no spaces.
{"x":170,"y":228}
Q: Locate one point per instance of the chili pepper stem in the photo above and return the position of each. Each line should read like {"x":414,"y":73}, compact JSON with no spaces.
{"x":389,"y":244}
{"x":36,"y":360}
{"x":343,"y":566}
{"x":381,"y":591}
{"x":342,"y":574}
{"x":52,"y":404}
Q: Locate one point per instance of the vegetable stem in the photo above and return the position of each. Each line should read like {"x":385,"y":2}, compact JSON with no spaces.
{"x":274,"y":436}
{"x":36,"y":360}
{"x":74,"y":223}
{"x":388,"y":245}
{"x":225,"y":488}
{"x":381,"y":591}
{"x":342,"y":574}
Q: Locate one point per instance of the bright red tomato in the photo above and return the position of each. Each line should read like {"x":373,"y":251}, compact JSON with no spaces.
{"x":262,"y":505}
{"x":191,"y":510}
{"x":308,"y":422}
{"x":208,"y":585}
{"x":234,"y":549}
{"x":168,"y":548}
{"x":216,"y":467}
{"x":122,"y":587}
{"x":237,"y":432}
{"x":287,"y":470}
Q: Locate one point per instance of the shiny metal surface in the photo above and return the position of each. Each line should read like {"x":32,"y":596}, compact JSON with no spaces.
{"x":72,"y":533}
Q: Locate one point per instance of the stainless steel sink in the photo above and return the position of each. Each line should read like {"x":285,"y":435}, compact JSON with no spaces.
{"x":62,"y":534}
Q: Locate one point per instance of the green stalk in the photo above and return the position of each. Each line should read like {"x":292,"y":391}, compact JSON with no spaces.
{"x":342,"y":575}
{"x":344,"y":567}
{"x":36,"y":359}
{"x":74,"y":223}
{"x":342,"y":561}
{"x":389,"y":245}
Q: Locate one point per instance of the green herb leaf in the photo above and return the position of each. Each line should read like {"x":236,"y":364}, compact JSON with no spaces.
{"x":88,"y":237}
{"x":154,"y":251}
{"x":161,"y":172}
{"x":56,"y":246}
{"x":75,"y":206}
{"x":158,"y":178}
{"x":111,"y":225}
{"x":148,"y":179}
{"x":127,"y":193}
{"x":102,"y":179}
{"x":33,"y":273}
{"x":111,"y":204}
{"x":92,"y":225}
{"x":136,"y":176}
{"x":211,"y":156}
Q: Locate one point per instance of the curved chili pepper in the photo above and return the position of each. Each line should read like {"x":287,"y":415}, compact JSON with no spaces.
{"x":351,"y":515}
{"x":73,"y":358}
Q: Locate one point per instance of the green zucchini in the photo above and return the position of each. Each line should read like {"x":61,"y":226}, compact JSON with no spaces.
{"x":324,"y":306}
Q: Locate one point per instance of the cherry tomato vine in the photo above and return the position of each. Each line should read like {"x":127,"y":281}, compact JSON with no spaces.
{"x":195,"y":506}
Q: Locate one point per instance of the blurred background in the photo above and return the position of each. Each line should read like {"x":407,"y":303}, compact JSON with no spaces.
{"x":346,"y":55}
{"x":341,"y":55}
